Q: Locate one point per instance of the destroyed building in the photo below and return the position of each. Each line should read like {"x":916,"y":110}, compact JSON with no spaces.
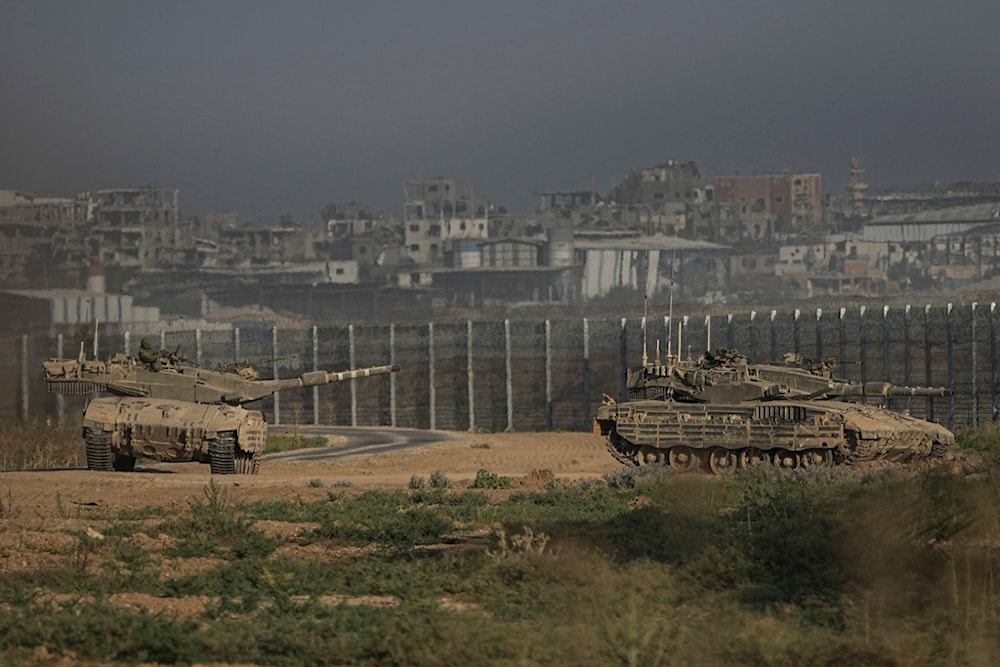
{"x":436,"y":216}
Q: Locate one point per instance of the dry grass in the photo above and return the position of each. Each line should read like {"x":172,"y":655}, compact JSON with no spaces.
{"x":39,"y":444}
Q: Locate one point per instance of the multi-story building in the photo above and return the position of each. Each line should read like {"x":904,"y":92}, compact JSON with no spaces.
{"x":139,"y":227}
{"x":436,"y":216}
{"x":43,"y":238}
{"x":795,"y":200}
{"x":671,"y":182}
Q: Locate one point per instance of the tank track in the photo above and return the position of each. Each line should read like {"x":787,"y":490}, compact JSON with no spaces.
{"x":624,"y":453}
{"x":226,"y":458}
{"x":246,"y":463}
{"x":99,"y":455}
{"x":715,"y":459}
{"x":222,"y":454}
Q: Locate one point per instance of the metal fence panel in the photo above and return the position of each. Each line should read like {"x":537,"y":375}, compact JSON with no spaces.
{"x":538,"y":375}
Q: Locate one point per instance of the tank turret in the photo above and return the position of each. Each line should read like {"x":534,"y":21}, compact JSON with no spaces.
{"x":728,"y":376}
{"x":722,"y":412}
{"x":234,"y":385}
{"x":167,"y":410}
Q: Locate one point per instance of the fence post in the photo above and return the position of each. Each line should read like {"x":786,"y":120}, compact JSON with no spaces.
{"x":885,"y":350}
{"x":994,"y":369}
{"x":843,"y":342}
{"x":236,"y":345}
{"x":586,"y":371}
{"x":548,"y":375}
{"x":708,"y":332}
{"x":796,"y":342}
{"x":430,"y":367}
{"x":885,"y":343}
{"x":682,"y":339}
{"x":315,"y":391}
{"x":975,"y":382}
{"x":863,"y":346}
{"x":951,"y":366}
{"x":774,"y":337}
{"x":927,"y":359}
{"x":24,"y":378}
{"x":274,"y":370}
{"x":819,"y":334}
{"x":730,"y":341}
{"x":354,"y":383}
{"x":472,"y":393}
{"x":753,"y":337}
{"x":508,"y":371}
{"x":906,"y":354}
{"x":60,"y":399}
{"x":667,"y":324}
{"x":623,"y":352}
{"x":197,"y":347}
{"x":392,"y":376}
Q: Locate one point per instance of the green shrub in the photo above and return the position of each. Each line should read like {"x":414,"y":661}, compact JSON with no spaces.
{"x":489,"y":480}
{"x":984,"y":441}
{"x":439,"y":480}
{"x":215,"y":528}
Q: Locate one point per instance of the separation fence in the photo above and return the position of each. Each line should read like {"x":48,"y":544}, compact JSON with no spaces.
{"x":542,"y":375}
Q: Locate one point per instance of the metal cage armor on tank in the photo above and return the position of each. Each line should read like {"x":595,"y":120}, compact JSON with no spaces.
{"x":722,"y":412}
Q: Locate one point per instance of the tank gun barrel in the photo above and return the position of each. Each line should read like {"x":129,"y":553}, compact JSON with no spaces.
{"x":885,"y":389}
{"x":317,"y":378}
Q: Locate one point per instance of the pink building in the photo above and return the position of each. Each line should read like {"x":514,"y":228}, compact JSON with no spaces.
{"x":793,"y":199}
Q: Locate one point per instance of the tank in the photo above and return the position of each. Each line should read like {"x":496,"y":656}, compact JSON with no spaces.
{"x":722,"y":412}
{"x":167,"y":410}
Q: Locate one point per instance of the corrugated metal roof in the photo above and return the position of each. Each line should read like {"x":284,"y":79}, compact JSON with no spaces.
{"x":59,"y":293}
{"x":644,"y":243}
{"x":975,"y":213}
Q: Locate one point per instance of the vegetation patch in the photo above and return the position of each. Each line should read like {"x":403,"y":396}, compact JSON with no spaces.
{"x":489,"y":480}
{"x":38,"y":444}
{"x":824,"y":567}
{"x":290,"y":442}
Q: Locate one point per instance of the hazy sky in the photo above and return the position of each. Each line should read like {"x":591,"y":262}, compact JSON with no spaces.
{"x":265,"y":108}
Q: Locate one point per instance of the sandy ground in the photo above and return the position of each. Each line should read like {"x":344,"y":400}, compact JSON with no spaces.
{"x":60,"y":494}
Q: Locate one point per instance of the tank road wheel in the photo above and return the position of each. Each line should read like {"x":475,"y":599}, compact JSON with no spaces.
{"x":815,"y":458}
{"x":785,"y":460}
{"x":651,"y":455}
{"x":222,"y":454}
{"x":721,"y":461}
{"x":123,"y":462}
{"x":751,"y":458}
{"x":246,"y":463}
{"x":683,"y":459}
{"x":98,"y":449}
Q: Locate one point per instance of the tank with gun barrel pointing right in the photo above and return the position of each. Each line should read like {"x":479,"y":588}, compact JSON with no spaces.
{"x":167,"y":410}
{"x":723,"y":412}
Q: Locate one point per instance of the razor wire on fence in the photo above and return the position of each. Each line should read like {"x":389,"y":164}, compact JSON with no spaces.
{"x":524,"y":375}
